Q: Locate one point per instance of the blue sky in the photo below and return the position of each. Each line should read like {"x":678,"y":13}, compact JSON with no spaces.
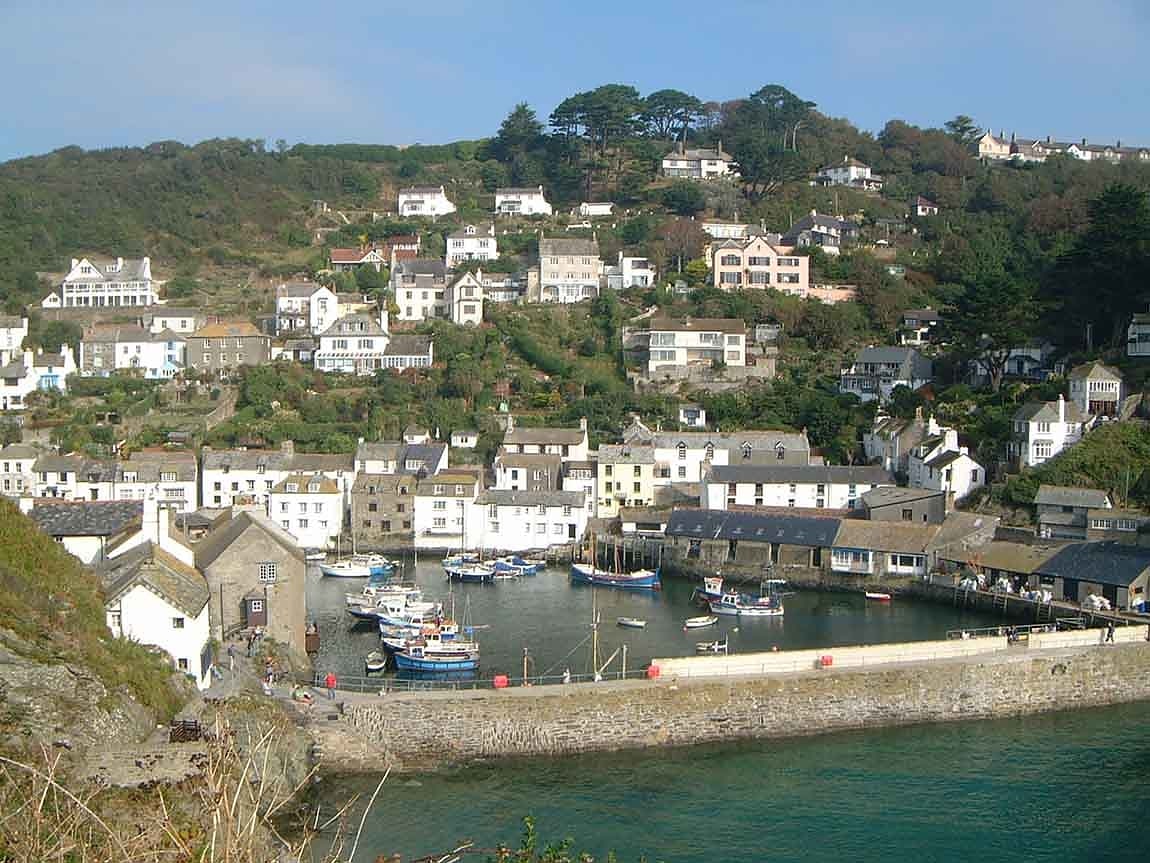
{"x":108,"y":73}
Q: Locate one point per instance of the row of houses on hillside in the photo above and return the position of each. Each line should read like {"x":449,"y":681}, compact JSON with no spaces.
{"x":998,"y":147}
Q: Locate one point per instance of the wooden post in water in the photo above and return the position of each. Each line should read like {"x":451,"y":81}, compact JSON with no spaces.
{"x":624,"y":662}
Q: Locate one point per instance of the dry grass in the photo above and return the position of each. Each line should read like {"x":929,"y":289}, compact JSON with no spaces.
{"x":228,"y":814}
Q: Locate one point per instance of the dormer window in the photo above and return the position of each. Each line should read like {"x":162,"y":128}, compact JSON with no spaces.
{"x":780,"y":451}
{"x":746,"y":450}
{"x":292,"y":487}
{"x":710,"y":451}
{"x":313,"y":487}
{"x":682,"y":451}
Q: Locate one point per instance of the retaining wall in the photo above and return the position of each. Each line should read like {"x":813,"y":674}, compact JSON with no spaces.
{"x":983,"y":680}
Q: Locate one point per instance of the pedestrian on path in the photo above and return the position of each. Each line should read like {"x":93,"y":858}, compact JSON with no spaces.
{"x":330,"y":682}
{"x":1110,"y":632}
{"x":231,"y":657}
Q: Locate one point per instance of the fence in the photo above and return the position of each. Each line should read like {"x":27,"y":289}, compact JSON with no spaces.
{"x":382,"y":683}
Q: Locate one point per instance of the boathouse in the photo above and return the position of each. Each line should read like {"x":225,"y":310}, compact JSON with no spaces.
{"x":1118,"y":572}
{"x":714,"y":538}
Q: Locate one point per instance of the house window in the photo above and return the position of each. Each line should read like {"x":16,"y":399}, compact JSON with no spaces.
{"x":373,"y":507}
{"x":1042,"y":449}
{"x":439,"y":522}
{"x":182,"y":664}
{"x":908,"y":515}
{"x":303,"y":524}
{"x":177,"y":623}
{"x":167,"y":476}
{"x":1044,"y":428}
{"x":682,"y":472}
{"x":268,"y":572}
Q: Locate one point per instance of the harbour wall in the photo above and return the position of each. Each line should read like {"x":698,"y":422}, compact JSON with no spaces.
{"x":701,"y":700}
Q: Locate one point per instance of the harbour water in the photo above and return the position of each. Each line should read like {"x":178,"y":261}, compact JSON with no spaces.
{"x":1067,"y":786}
{"x":550,"y":617}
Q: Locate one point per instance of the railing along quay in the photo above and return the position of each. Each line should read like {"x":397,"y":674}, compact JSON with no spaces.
{"x":381,"y":685}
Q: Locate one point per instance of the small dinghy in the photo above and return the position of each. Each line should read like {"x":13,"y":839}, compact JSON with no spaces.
{"x":711,"y":646}
{"x":877,"y":596}
{"x":374,"y":662}
{"x":700,"y":622}
{"x":632,"y":622}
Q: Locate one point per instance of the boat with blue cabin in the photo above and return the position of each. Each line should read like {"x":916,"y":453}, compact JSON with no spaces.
{"x":640,"y":579}
{"x":474,"y":573}
{"x":451,"y":656}
{"x":769,"y":603}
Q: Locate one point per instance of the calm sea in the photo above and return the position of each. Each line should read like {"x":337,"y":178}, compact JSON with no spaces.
{"x":1068,"y":787}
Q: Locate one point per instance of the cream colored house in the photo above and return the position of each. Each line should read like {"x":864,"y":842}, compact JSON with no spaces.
{"x":757,"y":263}
{"x":626,"y":478}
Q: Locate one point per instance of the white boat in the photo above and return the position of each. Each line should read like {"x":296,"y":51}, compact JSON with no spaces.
{"x":744,"y":605}
{"x":632,"y":622}
{"x":877,"y":596}
{"x":711,"y":646}
{"x":374,"y":662}
{"x":314,"y":554}
{"x":700,"y":622}
{"x":358,"y":566}
{"x":373,"y":594}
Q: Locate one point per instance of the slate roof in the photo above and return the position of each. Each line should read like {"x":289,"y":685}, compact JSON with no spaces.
{"x":1095,"y":370}
{"x":885,"y":536}
{"x":1063,"y":495}
{"x":1098,"y":562}
{"x":808,"y":531}
{"x":132,"y":271}
{"x":910,"y":362}
{"x":422,"y":266}
{"x":18,"y":451}
{"x":147,"y":564}
{"x":699,"y":325}
{"x":404,"y":345}
{"x":626,"y":454}
{"x":943,"y":459}
{"x":1014,"y":556}
{"x":249,"y":459}
{"x":699,"y":153}
{"x":921,"y":315}
{"x":149,"y":464}
{"x":480,"y":233}
{"x":818,"y":220}
{"x":759,"y":439}
{"x":319,"y":462}
{"x":520,"y":190}
{"x":1048,"y":412}
{"x":544,"y":436}
{"x":12,"y":322}
{"x":227,"y":329}
{"x":501,"y":497}
{"x":303,"y":484}
{"x":514,"y":459}
{"x":297,"y":289}
{"x":378,"y":451}
{"x":86,"y":518}
{"x":209,"y":549}
{"x":893,"y":495}
{"x":422,"y":190}
{"x":567,"y":247}
{"x":356,"y":325}
{"x":769,"y":473}
{"x":174,"y":312}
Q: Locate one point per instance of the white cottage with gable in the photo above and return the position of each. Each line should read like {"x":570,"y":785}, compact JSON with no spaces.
{"x":102,"y":284}
{"x":521,"y":202}
{"x":424,"y":201}
{"x":471,"y":243}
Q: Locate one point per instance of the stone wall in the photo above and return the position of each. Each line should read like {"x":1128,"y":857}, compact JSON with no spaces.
{"x":425,"y":731}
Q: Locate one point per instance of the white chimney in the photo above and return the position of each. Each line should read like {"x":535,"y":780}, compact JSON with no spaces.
{"x":1061,"y":408}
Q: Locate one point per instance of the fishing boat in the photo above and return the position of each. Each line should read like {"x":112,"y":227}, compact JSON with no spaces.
{"x":458,"y":656}
{"x":396,"y":638}
{"x":373,"y":593}
{"x":877,"y":596}
{"x":700,"y":622}
{"x":631,"y":622}
{"x":640,"y":579}
{"x":526,"y":565}
{"x":358,"y":566}
{"x":389,"y":604}
{"x":712,"y":589}
{"x":719,"y":646}
{"x":745,"y":605}
{"x":474,"y":573}
{"x":374,"y":662}
{"x":311,"y":555}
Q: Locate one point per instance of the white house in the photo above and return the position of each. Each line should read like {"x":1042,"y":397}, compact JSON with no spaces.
{"x":683,"y":456}
{"x":569,"y":444}
{"x":359,"y":344}
{"x":850,"y":172}
{"x":106,"y":348}
{"x":924,"y":207}
{"x":695,"y":341}
{"x":460,"y":439}
{"x":91,"y":531}
{"x":420,"y":288}
{"x":810,"y":487}
{"x":305,"y":308}
{"x":692,"y":416}
{"x":704,"y":163}
{"x":13,"y":331}
{"x":938,"y":463}
{"x":350,"y":260}
{"x":229,"y":476}
{"x":521,"y":202}
{"x":1042,"y":430}
{"x":465,"y":299}
{"x":177,"y":320}
{"x":310,"y":507}
{"x":471,"y":243}
{"x":100,"y":284}
{"x":154,"y":598}
{"x":444,"y":514}
{"x":424,"y":201}
{"x":27,"y":372}
{"x":569,"y":269}
{"x":16,"y":461}
{"x":630,"y":272}
{"x":589,"y":210}
{"x":1096,"y":389}
{"x":918,"y":326}
{"x":876,"y":371}
{"x":1138,"y":336}
{"x":523,"y":520}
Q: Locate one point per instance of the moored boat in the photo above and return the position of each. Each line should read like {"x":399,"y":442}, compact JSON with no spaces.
{"x":878,"y":596}
{"x":314,"y":554}
{"x":641,"y":579}
{"x":373,"y":594}
{"x":473,"y":573}
{"x":358,"y":566}
{"x":712,"y":589}
{"x":374,"y":662}
{"x":700,"y":622}
{"x":719,"y":646}
{"x":744,"y":605}
{"x":452,"y":656}
{"x":631,"y":622}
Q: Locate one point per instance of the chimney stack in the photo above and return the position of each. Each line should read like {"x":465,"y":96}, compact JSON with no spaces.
{"x":1061,"y":408}
{"x":287,"y":447}
{"x":583,"y":424}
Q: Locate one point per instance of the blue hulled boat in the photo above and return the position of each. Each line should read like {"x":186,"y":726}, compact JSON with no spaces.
{"x":450,"y":656}
{"x":474,"y":573}
{"x":640,"y":579}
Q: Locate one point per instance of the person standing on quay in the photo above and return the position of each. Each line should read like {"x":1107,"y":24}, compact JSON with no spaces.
{"x":1110,"y":632}
{"x":330,"y":682}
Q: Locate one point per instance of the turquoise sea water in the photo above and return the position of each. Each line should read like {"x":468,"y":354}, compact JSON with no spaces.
{"x":1069,"y":786}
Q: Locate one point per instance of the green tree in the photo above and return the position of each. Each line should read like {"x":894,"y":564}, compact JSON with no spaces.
{"x":684,"y":198}
{"x":670,"y":113}
{"x":963,"y":130}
